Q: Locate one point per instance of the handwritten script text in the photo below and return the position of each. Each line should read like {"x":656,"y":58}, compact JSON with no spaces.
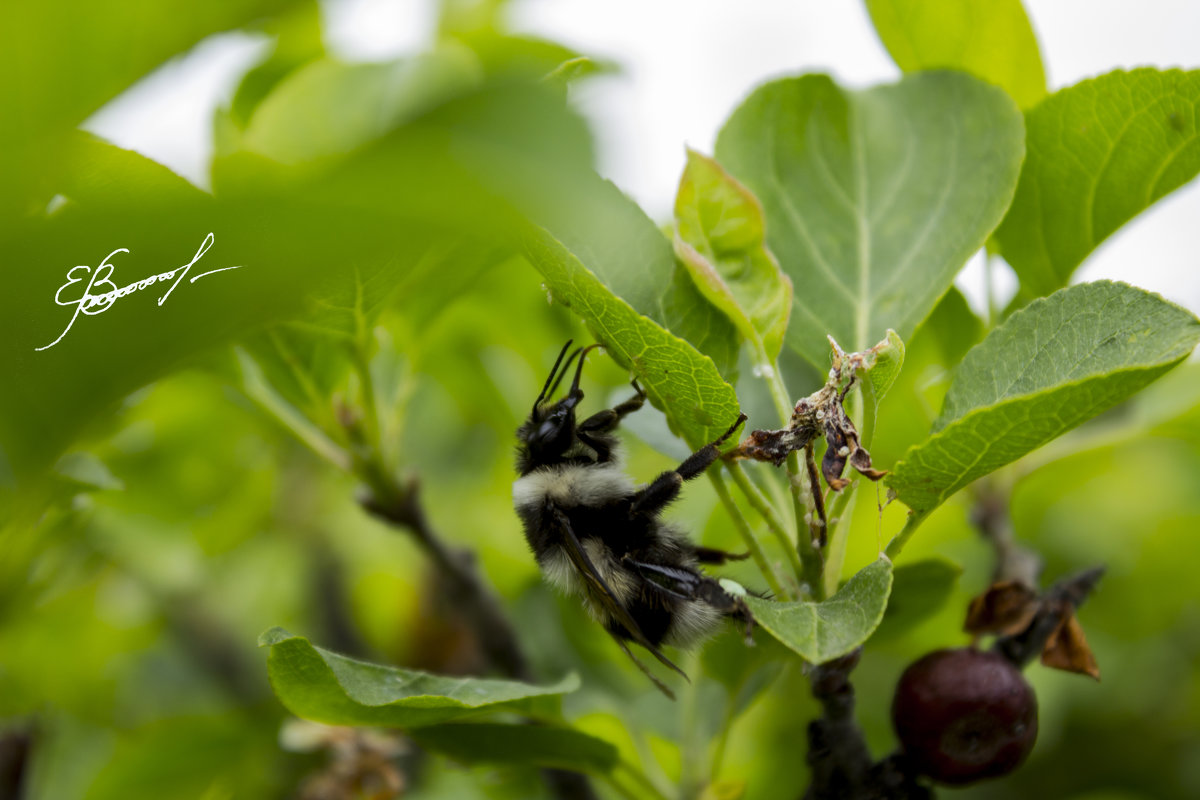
{"x":92,"y":303}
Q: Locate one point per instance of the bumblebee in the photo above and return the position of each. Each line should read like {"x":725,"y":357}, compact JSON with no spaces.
{"x":597,"y":536}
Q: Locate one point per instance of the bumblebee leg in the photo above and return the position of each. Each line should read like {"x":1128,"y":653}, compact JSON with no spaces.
{"x":607,"y":420}
{"x":711,"y":555}
{"x":665,"y":488}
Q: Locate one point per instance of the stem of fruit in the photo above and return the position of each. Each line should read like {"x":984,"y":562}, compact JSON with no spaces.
{"x":747,"y":534}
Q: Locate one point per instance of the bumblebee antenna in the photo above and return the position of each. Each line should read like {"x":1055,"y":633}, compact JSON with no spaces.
{"x":579,"y":371}
{"x":567,"y":366}
{"x":553,"y":370}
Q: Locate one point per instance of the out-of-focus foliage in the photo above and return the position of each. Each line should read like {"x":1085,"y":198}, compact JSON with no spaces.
{"x":399,"y":228}
{"x":993,"y":41}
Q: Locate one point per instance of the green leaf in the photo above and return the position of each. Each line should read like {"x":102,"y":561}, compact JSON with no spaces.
{"x":1051,"y":366}
{"x":889,"y":360}
{"x":614,"y":239}
{"x":532,"y":745}
{"x":72,"y":60}
{"x":920,"y":590}
{"x":874,"y":199}
{"x":992,"y":41}
{"x":680,"y":381}
{"x":316,"y":684}
{"x":1100,"y":152}
{"x":720,"y":237}
{"x":827,"y":630}
{"x":298,"y":236}
{"x":297,"y":42}
{"x":329,"y":107}
{"x":573,"y":69}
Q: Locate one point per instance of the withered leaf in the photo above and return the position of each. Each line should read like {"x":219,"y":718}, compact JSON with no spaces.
{"x":842,"y":445}
{"x":772,"y":446}
{"x":1005,"y":609}
{"x":1067,"y":649}
{"x":822,"y":412}
{"x":834,"y":462}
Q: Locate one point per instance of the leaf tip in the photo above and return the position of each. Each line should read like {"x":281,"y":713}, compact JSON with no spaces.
{"x":274,"y":636}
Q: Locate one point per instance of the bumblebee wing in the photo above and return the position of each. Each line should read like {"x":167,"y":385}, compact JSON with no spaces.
{"x":673,"y":581}
{"x":600,"y":591}
{"x":687,"y":584}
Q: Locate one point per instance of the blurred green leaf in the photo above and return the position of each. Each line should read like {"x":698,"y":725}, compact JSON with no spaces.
{"x":681,"y":382}
{"x":316,"y":684}
{"x":305,"y":361}
{"x":953,"y":327}
{"x":829,"y":629}
{"x":614,"y":239}
{"x":874,"y":199}
{"x":744,"y":672}
{"x":299,"y":237}
{"x":297,"y":42}
{"x":992,"y":41}
{"x":536,"y":745}
{"x":85,"y":472}
{"x":1056,"y":363}
{"x":71,"y":59}
{"x":329,"y":107}
{"x":192,"y":756}
{"x":919,"y":590}
{"x":720,"y":238}
{"x":1099,"y":153}
{"x":573,"y":69}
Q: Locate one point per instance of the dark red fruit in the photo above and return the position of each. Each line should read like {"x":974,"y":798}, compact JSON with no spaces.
{"x":964,"y":715}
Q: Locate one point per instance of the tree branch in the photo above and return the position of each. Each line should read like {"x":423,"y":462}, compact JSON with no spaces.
{"x":401,"y":506}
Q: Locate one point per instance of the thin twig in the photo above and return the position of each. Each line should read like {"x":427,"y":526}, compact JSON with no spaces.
{"x":819,"y":524}
{"x":990,"y":515}
{"x":747,"y":534}
{"x":763,"y":506}
{"x":812,"y":541}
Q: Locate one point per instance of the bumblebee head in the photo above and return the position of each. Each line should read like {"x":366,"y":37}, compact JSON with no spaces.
{"x":549,"y":432}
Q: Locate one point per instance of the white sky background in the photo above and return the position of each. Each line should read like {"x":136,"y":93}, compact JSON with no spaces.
{"x":685,"y":65}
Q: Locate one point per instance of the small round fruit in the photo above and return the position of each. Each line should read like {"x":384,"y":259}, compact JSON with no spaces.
{"x":964,"y":715}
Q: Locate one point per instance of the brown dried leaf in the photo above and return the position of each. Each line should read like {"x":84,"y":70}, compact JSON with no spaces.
{"x":822,"y":412}
{"x":834,"y":462}
{"x":860,"y":459}
{"x":1067,"y":649}
{"x":772,"y":446}
{"x":1005,"y":609}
